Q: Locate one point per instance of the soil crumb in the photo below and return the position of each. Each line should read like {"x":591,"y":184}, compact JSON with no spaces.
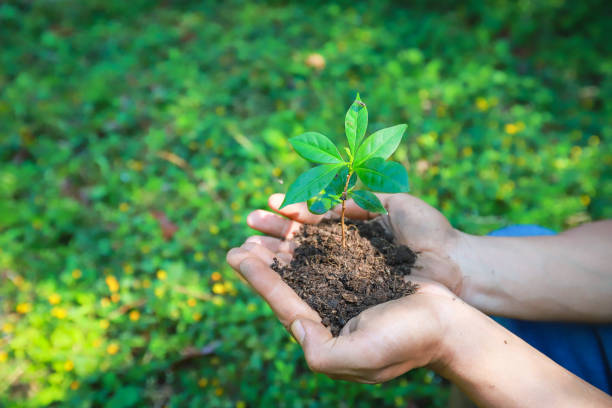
{"x":339,"y":283}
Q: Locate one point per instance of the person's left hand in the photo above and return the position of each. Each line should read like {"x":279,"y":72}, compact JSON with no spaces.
{"x":379,"y":344}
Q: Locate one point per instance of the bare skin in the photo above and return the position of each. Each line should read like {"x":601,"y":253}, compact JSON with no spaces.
{"x":432,"y":328}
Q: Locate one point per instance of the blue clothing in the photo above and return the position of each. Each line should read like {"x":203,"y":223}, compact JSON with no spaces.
{"x":583,"y":349}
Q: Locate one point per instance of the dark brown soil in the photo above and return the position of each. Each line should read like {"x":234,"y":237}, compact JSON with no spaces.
{"x":340,"y":283}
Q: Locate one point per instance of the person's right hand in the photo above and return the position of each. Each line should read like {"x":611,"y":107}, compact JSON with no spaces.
{"x":379,"y":344}
{"x":412,"y":222}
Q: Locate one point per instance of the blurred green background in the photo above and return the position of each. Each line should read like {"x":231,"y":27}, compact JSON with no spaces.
{"x":135,"y":136}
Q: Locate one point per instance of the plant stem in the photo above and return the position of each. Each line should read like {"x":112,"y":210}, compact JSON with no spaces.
{"x":348,"y":177}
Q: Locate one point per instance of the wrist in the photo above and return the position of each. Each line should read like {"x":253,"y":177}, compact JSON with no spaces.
{"x":476,"y":279}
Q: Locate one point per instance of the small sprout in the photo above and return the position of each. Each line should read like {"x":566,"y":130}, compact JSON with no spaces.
{"x":333,"y":181}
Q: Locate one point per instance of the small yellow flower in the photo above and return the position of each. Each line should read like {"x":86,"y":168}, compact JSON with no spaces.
{"x":159,"y":292}
{"x":123,"y":207}
{"x":113,"y":284}
{"x":112,"y":348}
{"x":482,"y":104}
{"x":115,"y":297}
{"x":3,"y":356}
{"x":76,"y":273}
{"x":511,"y":128}
{"x":218,"y":288}
{"x":576,"y":151}
{"x":105,"y":302}
{"x":18,"y":281}
{"x":37,"y":224}
{"x":593,"y":140}
{"x":213,"y":229}
{"x":191,"y":302}
{"x":54,"y":299}
{"x":162,"y":274}
{"x":218,"y":301}
{"x":136,"y":165}
{"x":68,"y":365}
{"x":240,"y":404}
{"x":467,"y":151}
{"x":198,"y":256}
{"x":585,"y":200}
{"x":197,"y":316}
{"x":203,"y":382}
{"x":134,"y":315}
{"x":8,"y":327}
{"x":219,"y":392}
{"x":128,"y":269}
{"x":24,"y":308}
{"x":104,"y":324}
{"x":236,"y":218}
{"x":229,"y":287}
{"x":74,"y":385}
{"x":59,"y":312}
{"x":216,"y":276}
{"x":251,"y":307}
{"x":146,"y":283}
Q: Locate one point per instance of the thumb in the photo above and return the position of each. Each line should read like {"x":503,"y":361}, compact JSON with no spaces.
{"x":309,"y":333}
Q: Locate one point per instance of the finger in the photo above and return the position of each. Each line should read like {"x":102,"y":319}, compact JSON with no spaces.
{"x":298,"y":211}
{"x":272,"y":224}
{"x":273,"y":244}
{"x":265,"y":254}
{"x":348,"y":355}
{"x":285,"y":303}
{"x":260,"y":252}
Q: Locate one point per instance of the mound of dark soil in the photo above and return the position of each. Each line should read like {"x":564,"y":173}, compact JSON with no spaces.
{"x":339,"y":283}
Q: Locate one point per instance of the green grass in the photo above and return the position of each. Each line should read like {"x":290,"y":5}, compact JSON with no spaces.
{"x":116,"y":114}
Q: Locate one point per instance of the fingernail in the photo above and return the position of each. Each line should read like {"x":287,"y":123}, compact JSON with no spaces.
{"x":250,"y":218}
{"x":249,"y":245}
{"x":256,"y":239}
{"x":298,"y":331}
{"x":244,"y":268}
{"x":276,"y":200}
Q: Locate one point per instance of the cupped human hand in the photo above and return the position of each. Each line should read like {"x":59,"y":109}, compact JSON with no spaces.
{"x":412,"y":222}
{"x":379,"y":344}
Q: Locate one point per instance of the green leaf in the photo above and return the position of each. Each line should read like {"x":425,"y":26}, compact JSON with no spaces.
{"x":380,"y":144}
{"x":386,"y":177}
{"x":322,"y":203}
{"x":355,"y":123}
{"x":329,"y":197}
{"x":311,"y":183}
{"x":316,"y":147}
{"x":368,"y":201}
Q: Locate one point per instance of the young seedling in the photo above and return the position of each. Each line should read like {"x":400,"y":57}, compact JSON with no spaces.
{"x":334,"y":180}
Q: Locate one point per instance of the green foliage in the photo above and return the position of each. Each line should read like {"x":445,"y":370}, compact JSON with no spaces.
{"x":323,"y":189}
{"x":123,"y":121}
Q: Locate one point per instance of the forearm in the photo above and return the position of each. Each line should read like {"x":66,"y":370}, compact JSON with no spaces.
{"x":497,"y":369}
{"x":562,"y":277}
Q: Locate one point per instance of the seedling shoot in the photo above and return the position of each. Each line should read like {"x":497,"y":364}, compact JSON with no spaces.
{"x":334,"y":180}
